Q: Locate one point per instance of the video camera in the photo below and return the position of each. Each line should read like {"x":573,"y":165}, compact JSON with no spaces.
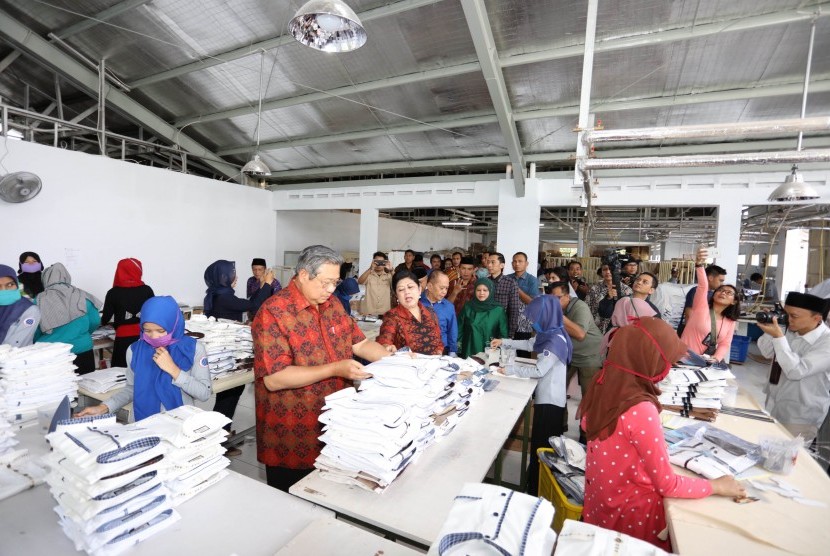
{"x":765,"y":317}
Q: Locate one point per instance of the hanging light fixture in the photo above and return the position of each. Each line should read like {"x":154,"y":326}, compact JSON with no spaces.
{"x":328,"y":25}
{"x":794,"y":188}
{"x":256,"y":168}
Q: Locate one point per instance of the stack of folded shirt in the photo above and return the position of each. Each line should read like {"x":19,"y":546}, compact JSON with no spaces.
{"x":195,"y":456}
{"x":106,"y":331}
{"x":104,"y":380}
{"x":17,"y":471}
{"x":694,"y":392}
{"x":34,"y":376}
{"x":372,"y":434}
{"x":229,"y":344}
{"x":107,"y":480}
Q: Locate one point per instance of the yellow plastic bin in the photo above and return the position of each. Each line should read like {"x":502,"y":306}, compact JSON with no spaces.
{"x":549,"y":490}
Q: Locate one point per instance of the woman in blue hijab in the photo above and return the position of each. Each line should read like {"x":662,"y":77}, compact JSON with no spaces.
{"x":220,"y":298}
{"x":165,"y":368}
{"x":553,"y":351}
{"x":221,"y":303}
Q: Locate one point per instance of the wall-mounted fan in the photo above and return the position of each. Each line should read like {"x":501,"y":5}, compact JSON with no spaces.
{"x":19,"y":187}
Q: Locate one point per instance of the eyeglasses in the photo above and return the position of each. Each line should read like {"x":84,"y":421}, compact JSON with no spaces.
{"x":728,"y":293}
{"x":329,"y":284}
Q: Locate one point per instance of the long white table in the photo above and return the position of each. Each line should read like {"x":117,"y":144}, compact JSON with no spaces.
{"x":236,"y":516}
{"x":416,"y":504}
{"x":774,"y":525}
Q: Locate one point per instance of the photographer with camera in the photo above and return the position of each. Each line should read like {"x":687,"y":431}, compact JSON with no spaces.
{"x":609,"y":288}
{"x":378,"y":281}
{"x":800,"y":396}
{"x":711,"y":323}
{"x":578,"y":283}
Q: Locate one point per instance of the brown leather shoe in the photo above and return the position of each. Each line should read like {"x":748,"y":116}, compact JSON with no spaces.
{"x":232,"y":451}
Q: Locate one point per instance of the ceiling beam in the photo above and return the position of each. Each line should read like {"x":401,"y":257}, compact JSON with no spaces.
{"x":25,"y":39}
{"x":649,"y":37}
{"x":479,"y":24}
{"x":402,"y":166}
{"x":820,"y":85}
{"x":237,"y":53}
{"x":83,"y":25}
{"x":466,"y":121}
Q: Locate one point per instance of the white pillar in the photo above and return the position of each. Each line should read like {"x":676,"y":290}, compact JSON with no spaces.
{"x":279,"y":243}
{"x":518,"y":228}
{"x":729,"y":238}
{"x":368,"y":236}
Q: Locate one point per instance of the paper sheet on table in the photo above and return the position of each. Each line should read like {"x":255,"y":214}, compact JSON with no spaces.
{"x":780,"y":524}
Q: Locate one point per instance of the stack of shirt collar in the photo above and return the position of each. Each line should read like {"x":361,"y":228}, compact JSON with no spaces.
{"x":104,"y":380}
{"x":117,"y":484}
{"x":229,"y":344}
{"x":694,"y":391}
{"x":372,"y":434}
{"x":34,"y":376}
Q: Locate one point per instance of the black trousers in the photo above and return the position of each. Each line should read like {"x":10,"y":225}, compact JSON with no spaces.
{"x":547,"y":422}
{"x":119,"y":350}
{"x":85,"y":362}
{"x":226,"y":403}
{"x":522,"y":336}
{"x":282,"y":478}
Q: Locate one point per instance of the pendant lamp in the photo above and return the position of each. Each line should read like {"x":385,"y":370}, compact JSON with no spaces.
{"x":328,"y":25}
{"x":256,"y":168}
{"x":794,"y":188}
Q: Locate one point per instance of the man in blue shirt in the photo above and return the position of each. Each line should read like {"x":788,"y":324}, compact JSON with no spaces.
{"x":433,"y":298}
{"x":528,"y":283}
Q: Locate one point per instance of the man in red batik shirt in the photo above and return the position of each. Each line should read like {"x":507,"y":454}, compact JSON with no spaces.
{"x":303,"y":347}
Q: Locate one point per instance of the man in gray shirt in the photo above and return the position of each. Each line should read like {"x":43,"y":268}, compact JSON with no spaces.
{"x":586,"y":337}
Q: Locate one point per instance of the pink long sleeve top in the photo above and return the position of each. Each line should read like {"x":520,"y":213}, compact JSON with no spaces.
{"x":700,"y":322}
{"x":628,"y":474}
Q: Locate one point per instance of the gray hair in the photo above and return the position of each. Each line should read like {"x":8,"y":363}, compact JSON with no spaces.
{"x":315,"y":256}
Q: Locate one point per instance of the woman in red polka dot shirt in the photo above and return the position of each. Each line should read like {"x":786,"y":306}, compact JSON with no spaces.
{"x":628,"y":471}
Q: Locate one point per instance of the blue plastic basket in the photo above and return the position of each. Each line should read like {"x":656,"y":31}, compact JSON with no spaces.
{"x":739,"y":349}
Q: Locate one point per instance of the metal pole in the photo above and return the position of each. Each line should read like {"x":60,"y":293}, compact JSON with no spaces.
{"x":807,"y":79}
{"x":785,"y":157}
{"x":712,"y":131}
{"x":102,"y":105}
{"x":585,"y":94}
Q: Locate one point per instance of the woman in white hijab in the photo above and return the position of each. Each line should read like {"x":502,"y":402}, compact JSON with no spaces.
{"x":68,"y":315}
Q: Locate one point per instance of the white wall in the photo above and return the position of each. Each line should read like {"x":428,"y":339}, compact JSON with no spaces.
{"x":93,"y":211}
{"x":341,"y":231}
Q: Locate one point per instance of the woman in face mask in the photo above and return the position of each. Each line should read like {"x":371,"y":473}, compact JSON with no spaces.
{"x":165,"y":368}
{"x":68,"y":315}
{"x":123,"y":302}
{"x":627,"y":471}
{"x":19,"y":318}
{"x":554,"y":349}
{"x":29,"y":272}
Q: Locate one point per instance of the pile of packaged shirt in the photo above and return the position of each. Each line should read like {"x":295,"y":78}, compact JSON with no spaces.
{"x":567,"y":464}
{"x":35,"y":376}
{"x":104,"y":380}
{"x":373,"y":433}
{"x":117,"y":484}
{"x":693,"y":391}
{"x":229,"y":344}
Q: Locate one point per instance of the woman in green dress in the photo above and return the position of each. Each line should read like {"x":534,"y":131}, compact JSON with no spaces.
{"x":481,"y":320}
